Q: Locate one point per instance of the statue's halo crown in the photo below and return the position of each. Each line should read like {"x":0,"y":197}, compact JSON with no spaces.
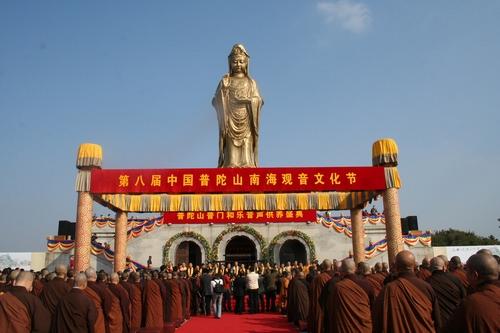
{"x":238,"y":49}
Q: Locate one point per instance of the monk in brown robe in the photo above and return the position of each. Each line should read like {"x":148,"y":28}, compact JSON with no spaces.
{"x":480,"y":311}
{"x":406,"y":304}
{"x":122,"y":295}
{"x":76,"y":312}
{"x":135,"y":294}
{"x":456,"y":268}
{"x":316,"y":316}
{"x":349,"y":306}
{"x":123,"y":302}
{"x":448,"y":288}
{"x":298,"y":301}
{"x":184,"y":294}
{"x":21,"y":311}
{"x":152,"y":304}
{"x":55,"y":289}
{"x":37,"y":285}
{"x":113,"y":317}
{"x":187,"y":287}
{"x":424,"y":273}
{"x":173,"y":301}
{"x":100,"y":302}
{"x":376,"y":279}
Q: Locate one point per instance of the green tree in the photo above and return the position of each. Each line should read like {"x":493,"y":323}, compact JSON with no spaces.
{"x":453,"y":237}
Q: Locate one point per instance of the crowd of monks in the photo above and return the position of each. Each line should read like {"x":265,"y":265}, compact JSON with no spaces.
{"x":436,"y":296}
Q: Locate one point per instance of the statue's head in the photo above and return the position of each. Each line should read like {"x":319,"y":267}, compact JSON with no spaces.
{"x":238,"y":60}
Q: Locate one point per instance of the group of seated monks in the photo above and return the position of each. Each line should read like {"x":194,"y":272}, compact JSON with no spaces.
{"x":436,"y":296}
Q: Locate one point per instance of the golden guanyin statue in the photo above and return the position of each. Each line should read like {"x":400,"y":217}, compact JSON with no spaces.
{"x":238,"y":104}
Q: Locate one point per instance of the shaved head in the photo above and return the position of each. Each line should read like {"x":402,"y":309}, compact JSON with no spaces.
{"x":326,"y":265}
{"x":484,"y":266}
{"x":385,"y":267}
{"x":485,"y":251}
{"x":91,"y":274}
{"x":405,"y":262}
{"x":348,"y":266}
{"x":363,"y":268}
{"x":300,"y":275}
{"x":80,"y":281}
{"x":437,"y":264}
{"x":114,"y":278}
{"x":455,"y":263}
{"x":25,"y":279}
{"x":13,"y":275}
{"x":425,"y":262}
{"x":378,"y":267}
{"x":61,"y":270}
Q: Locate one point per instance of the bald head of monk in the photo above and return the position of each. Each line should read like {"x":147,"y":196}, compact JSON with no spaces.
{"x":405,"y":262}
{"x":485,"y":251}
{"x":481,"y":268}
{"x":61,"y":271}
{"x":13,"y":275}
{"x":455,"y":263}
{"x":437,"y":264}
{"x":91,"y":274}
{"x":24,"y":279}
{"x":348,"y":266}
{"x":114,"y":278}
{"x":385,"y":267}
{"x":80,"y":281}
{"x":300,"y":275}
{"x":378,"y":267}
{"x":425,"y":263}
{"x":363,"y":268}
{"x":326,"y":265}
{"x":125,"y":276}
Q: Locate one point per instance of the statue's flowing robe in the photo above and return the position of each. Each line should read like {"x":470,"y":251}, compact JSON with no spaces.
{"x":238,"y":121}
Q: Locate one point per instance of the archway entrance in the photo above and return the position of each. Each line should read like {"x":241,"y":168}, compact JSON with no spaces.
{"x":241,"y":249}
{"x":293,"y":250}
{"x":188,"y":251}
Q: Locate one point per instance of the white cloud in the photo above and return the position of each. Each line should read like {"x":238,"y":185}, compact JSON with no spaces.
{"x":349,"y":15}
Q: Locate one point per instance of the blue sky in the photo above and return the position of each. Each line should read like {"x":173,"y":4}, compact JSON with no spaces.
{"x":138,"y":78}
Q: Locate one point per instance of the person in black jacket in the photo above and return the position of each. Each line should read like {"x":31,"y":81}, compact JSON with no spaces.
{"x":206,"y":284}
{"x":239,"y":287}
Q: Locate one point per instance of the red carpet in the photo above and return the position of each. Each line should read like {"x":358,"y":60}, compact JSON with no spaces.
{"x":244,"y":323}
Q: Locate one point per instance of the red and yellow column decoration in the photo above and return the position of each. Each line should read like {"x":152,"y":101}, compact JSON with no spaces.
{"x":385,"y":153}
{"x":89,"y":157}
{"x":120,"y":241}
{"x":358,"y":235}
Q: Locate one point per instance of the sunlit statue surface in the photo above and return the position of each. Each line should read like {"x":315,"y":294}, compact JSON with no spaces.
{"x":238,"y":104}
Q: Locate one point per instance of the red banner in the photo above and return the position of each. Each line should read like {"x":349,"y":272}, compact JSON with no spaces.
{"x":240,"y":217}
{"x":237,"y":180}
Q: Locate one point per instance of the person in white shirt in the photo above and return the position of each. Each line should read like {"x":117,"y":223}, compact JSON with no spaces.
{"x":253,"y":289}
{"x":217,"y":285}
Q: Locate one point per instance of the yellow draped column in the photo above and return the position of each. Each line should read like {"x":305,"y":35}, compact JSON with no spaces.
{"x":358,"y":235}
{"x":120,"y":241}
{"x":89,"y":157}
{"x":385,"y":153}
